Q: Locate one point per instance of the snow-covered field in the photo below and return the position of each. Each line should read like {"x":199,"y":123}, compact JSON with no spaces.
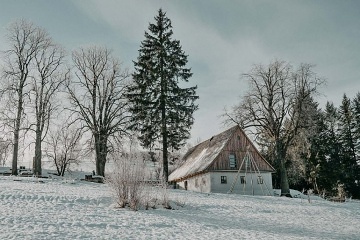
{"x":57,"y":209}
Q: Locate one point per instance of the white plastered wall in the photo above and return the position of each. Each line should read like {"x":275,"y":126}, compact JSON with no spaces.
{"x":200,"y":183}
{"x":252,"y":187}
{"x":211,"y":182}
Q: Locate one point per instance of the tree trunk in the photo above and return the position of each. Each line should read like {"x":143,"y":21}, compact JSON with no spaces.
{"x":163,"y":120}
{"x":100,"y":165}
{"x":164,"y":139}
{"x":16,"y":135}
{"x":58,"y":169}
{"x":15,"y":152}
{"x":281,"y":155}
{"x":37,"y":167}
{"x":284,"y":183}
{"x":165,"y":157}
{"x":63,"y":168}
{"x":101,"y":153}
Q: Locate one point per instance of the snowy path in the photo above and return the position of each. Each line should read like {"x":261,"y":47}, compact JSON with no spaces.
{"x":58,"y":210}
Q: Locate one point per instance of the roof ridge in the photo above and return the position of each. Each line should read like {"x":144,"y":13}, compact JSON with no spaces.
{"x":232,"y":128}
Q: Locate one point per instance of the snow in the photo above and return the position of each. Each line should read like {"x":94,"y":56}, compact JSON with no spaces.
{"x":297,"y":194}
{"x":33,"y":208}
{"x":198,"y":162}
{"x":200,"y":157}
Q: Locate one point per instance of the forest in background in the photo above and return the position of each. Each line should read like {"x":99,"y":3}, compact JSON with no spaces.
{"x":326,"y":156}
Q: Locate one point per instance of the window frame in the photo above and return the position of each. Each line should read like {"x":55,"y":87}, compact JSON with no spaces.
{"x":223,"y":179}
{"x":232,"y":161}
{"x":242,"y":179}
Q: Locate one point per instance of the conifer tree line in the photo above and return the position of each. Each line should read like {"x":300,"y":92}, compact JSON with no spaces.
{"x":332,"y":159}
{"x":325,"y":156}
{"x":86,"y":103}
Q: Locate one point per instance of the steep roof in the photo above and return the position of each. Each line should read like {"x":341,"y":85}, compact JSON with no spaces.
{"x":200,"y":157}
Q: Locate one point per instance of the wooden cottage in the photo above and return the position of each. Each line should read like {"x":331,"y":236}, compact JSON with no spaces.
{"x":226,"y":161}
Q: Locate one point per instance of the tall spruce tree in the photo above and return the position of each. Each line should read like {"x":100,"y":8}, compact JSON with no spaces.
{"x":318,"y":170}
{"x":356,"y":124}
{"x":332,"y":145}
{"x":356,"y":128}
{"x":162,"y":110}
{"x":347,"y":140}
{"x":327,"y":149}
{"x":346,"y":124}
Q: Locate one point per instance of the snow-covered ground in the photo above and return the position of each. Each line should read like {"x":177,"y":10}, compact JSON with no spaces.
{"x":57,"y":209}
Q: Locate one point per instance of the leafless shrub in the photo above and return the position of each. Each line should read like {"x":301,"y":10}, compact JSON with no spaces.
{"x":127,"y":180}
{"x":131,"y":189}
{"x":131,"y":182}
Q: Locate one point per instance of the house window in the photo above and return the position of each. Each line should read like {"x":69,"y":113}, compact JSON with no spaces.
{"x":260,"y":180}
{"x":223,"y":180}
{"x":232,"y":161}
{"x":242,"y":180}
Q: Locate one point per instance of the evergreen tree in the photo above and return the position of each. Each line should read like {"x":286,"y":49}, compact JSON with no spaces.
{"x":316,"y":164}
{"x":329,"y":143}
{"x":356,"y":128}
{"x":346,"y":130}
{"x":308,"y":145}
{"x":324,"y":151}
{"x":356,"y":124}
{"x":348,"y":142}
{"x":162,"y":110}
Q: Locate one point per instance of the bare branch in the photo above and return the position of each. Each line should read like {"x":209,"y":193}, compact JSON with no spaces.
{"x":97,"y":95}
{"x":275,"y":106}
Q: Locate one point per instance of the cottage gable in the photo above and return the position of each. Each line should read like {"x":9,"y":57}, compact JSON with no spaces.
{"x":213,"y":155}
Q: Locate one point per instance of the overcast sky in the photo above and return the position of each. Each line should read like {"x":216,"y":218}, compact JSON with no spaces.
{"x":222,"y":38}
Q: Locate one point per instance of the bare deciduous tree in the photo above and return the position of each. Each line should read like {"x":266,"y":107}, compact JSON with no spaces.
{"x":46,"y":83}
{"x":63,"y":147}
{"x":97,"y":95}
{"x":275,"y":108}
{"x":26,"y":40}
{"x":4,"y":149}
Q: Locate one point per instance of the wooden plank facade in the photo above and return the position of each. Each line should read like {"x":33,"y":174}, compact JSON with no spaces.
{"x":222,"y":152}
{"x":237,"y":144}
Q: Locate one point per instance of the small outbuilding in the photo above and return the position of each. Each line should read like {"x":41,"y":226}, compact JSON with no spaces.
{"x":227,"y":162}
